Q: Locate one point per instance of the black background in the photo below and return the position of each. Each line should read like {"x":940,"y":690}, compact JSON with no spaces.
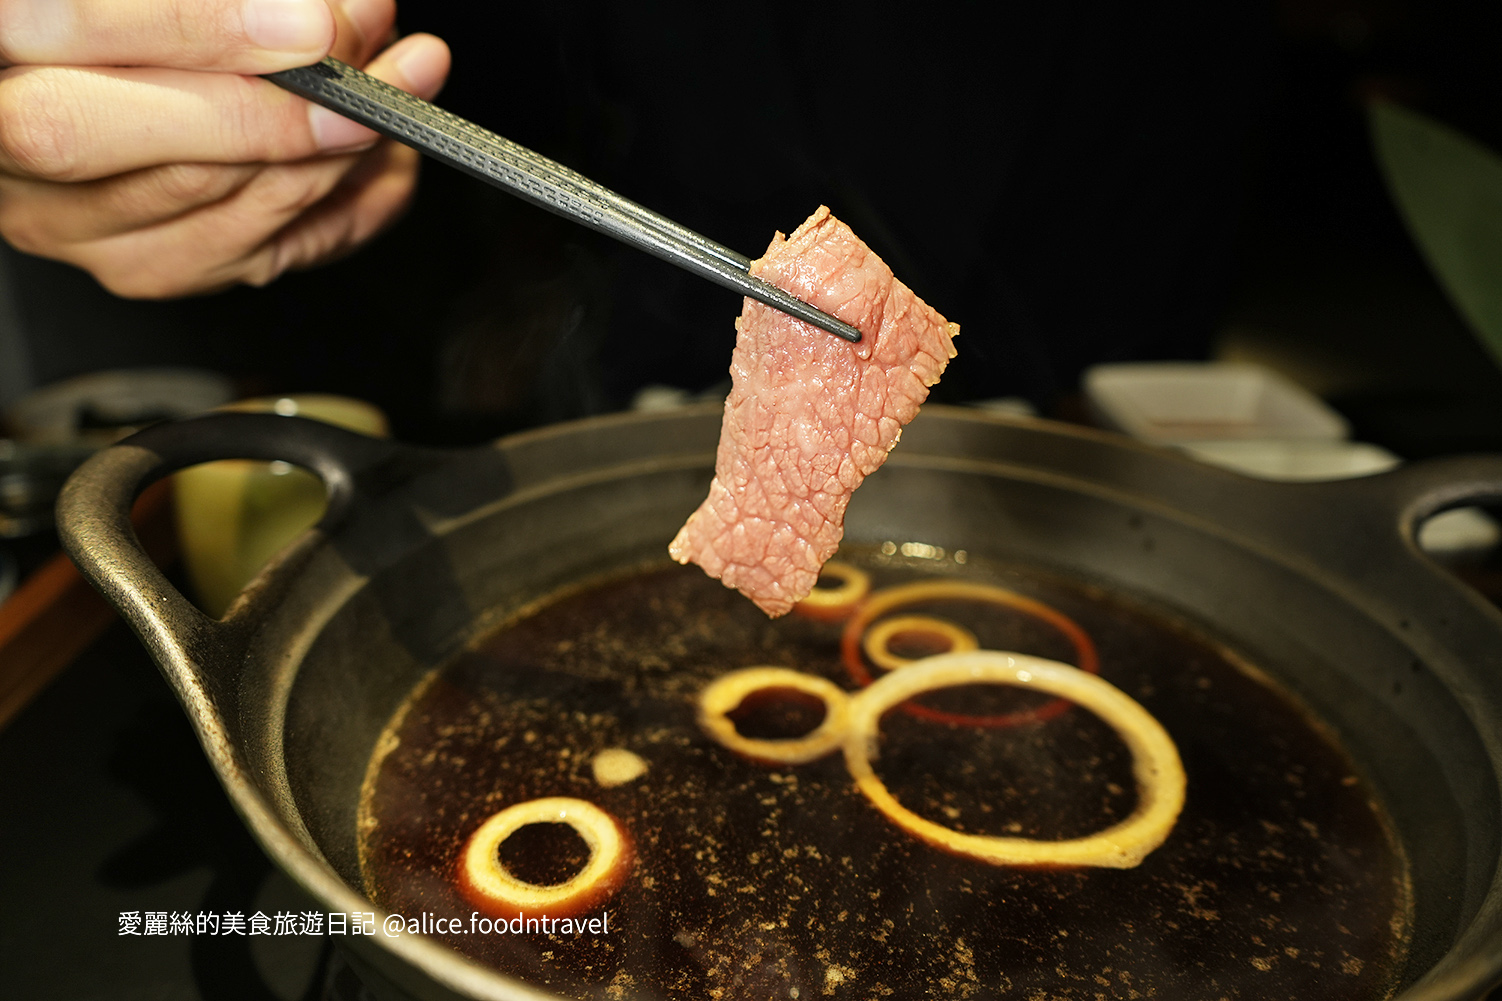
{"x":1072,"y":182}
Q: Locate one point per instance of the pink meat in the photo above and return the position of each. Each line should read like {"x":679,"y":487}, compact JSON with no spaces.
{"x":810,"y":416}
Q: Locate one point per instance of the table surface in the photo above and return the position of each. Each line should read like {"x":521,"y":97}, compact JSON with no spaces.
{"x":111,"y":807}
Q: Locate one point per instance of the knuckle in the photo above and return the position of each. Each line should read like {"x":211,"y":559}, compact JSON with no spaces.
{"x":28,"y":239}
{"x":123,"y":270}
{"x":14,"y":47}
{"x":129,"y":280}
{"x":289,"y":191}
{"x":192,"y":184}
{"x":39,"y":134}
{"x":262,"y":122}
{"x":362,"y":29}
{"x":181,"y":22}
{"x":264,"y":270}
{"x":243,"y":104}
{"x":23,"y":229}
{"x":146,"y":284}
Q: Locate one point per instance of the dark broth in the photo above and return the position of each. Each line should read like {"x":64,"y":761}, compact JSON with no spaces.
{"x":1280,"y":880}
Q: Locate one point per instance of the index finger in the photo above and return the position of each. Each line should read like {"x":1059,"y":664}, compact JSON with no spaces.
{"x":236,"y":36}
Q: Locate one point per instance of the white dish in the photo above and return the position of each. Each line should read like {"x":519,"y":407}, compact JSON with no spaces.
{"x":1173,"y":402}
{"x":1294,"y":458}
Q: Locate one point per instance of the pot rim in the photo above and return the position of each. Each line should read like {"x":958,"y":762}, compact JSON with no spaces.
{"x":1382,"y":512}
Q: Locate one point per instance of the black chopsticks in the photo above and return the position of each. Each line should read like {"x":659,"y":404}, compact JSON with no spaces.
{"x":537,"y":179}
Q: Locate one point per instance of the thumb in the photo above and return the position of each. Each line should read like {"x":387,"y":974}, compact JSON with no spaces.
{"x":238,"y":36}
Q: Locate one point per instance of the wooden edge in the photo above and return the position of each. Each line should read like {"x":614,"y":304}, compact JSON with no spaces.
{"x":56,"y":614}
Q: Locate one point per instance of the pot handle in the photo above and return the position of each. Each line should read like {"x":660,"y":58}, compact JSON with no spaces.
{"x":93,"y":509}
{"x":1415,"y":493}
{"x":1374,"y":536}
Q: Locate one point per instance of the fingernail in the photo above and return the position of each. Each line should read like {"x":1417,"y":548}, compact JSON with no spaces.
{"x":38,"y":31}
{"x":422,"y":66}
{"x":332,"y":131}
{"x":288,"y":25}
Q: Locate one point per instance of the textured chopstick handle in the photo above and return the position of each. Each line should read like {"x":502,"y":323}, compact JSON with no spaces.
{"x":535,"y":178}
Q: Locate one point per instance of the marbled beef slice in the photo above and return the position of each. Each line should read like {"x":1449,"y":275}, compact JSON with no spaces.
{"x":810,"y":416}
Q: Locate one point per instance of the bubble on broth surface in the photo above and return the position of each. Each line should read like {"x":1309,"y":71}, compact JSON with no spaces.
{"x":1280,"y":879}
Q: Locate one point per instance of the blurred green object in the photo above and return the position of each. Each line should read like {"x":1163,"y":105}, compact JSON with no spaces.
{"x":1449,"y":190}
{"x":233,"y":515}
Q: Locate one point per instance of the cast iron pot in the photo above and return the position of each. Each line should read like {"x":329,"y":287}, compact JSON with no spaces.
{"x":422,"y":548}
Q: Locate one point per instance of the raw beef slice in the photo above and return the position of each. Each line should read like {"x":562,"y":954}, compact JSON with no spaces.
{"x":809,"y":415}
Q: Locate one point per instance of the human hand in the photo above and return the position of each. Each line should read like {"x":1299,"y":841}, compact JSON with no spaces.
{"x":137,"y":143}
